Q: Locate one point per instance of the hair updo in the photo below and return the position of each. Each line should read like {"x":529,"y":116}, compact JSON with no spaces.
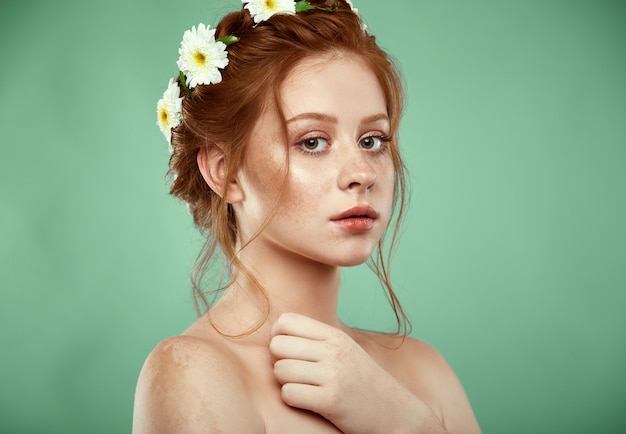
{"x":226,"y":113}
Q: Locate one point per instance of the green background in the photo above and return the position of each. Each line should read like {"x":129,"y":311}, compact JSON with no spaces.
{"x":513,"y":262}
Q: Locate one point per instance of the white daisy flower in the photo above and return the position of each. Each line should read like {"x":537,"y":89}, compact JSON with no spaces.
{"x":201,"y":57}
{"x":262,"y":10}
{"x":170,"y":110}
{"x":356,"y":11}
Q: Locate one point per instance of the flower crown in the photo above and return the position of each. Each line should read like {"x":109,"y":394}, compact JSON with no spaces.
{"x":202,"y":56}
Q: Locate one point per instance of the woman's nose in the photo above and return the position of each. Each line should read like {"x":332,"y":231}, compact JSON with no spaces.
{"x":356,"y":171}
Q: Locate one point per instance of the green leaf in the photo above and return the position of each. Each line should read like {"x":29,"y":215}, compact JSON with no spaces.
{"x":183,"y":82}
{"x":303,"y":6}
{"x":228,"y":39}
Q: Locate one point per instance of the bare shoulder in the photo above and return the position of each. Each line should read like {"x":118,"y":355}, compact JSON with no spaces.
{"x":189,"y":384}
{"x":426,"y":373}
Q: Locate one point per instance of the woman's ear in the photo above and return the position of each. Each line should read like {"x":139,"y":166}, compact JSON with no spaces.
{"x":213,"y":169}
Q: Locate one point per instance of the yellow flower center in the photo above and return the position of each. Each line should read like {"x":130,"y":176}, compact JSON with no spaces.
{"x":271,"y":4}
{"x":199,"y":58}
{"x":163,"y":115}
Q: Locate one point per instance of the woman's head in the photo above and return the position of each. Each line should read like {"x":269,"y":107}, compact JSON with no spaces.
{"x":226,"y":113}
{"x":317,"y":181}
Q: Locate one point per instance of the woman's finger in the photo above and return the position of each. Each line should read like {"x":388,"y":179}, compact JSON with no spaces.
{"x":304,"y":396}
{"x":298,"y":371}
{"x":296,"y":347}
{"x":294,"y":324}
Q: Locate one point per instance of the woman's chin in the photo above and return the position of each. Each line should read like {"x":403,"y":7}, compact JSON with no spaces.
{"x":354,"y":260}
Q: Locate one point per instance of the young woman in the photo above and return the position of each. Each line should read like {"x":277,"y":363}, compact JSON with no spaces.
{"x":283,"y":139}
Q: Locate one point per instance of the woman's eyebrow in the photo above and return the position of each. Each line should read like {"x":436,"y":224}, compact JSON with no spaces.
{"x":328,"y":118}
{"x":375,"y":118}
{"x":314,"y":116}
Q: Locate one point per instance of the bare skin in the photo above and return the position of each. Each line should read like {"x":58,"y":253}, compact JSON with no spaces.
{"x":205,"y":382}
{"x":303,"y":370}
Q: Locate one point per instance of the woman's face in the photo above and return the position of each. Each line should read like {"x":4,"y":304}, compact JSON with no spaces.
{"x":339,"y":184}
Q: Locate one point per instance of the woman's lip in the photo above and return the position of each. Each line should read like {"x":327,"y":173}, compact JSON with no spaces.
{"x":357,"y":212}
{"x":356,"y":224}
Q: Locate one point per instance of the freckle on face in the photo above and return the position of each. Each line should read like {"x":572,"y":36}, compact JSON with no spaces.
{"x":344,"y":90}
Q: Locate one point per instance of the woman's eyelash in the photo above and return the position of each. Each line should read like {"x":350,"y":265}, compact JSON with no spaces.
{"x":375,"y":142}
{"x":318,"y":144}
{"x":313,"y":144}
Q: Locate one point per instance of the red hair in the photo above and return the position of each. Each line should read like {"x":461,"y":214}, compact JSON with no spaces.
{"x":227,"y":112}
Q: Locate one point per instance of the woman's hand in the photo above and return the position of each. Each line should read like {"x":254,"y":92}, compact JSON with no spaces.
{"x":323,"y":370}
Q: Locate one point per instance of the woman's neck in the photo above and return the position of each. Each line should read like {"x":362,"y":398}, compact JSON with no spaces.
{"x":291,"y":283}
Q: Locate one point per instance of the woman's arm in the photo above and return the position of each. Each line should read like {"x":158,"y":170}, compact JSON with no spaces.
{"x":424,"y":361}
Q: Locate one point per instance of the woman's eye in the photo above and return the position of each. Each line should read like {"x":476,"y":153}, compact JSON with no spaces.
{"x":314,"y":144}
{"x":373,"y":143}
